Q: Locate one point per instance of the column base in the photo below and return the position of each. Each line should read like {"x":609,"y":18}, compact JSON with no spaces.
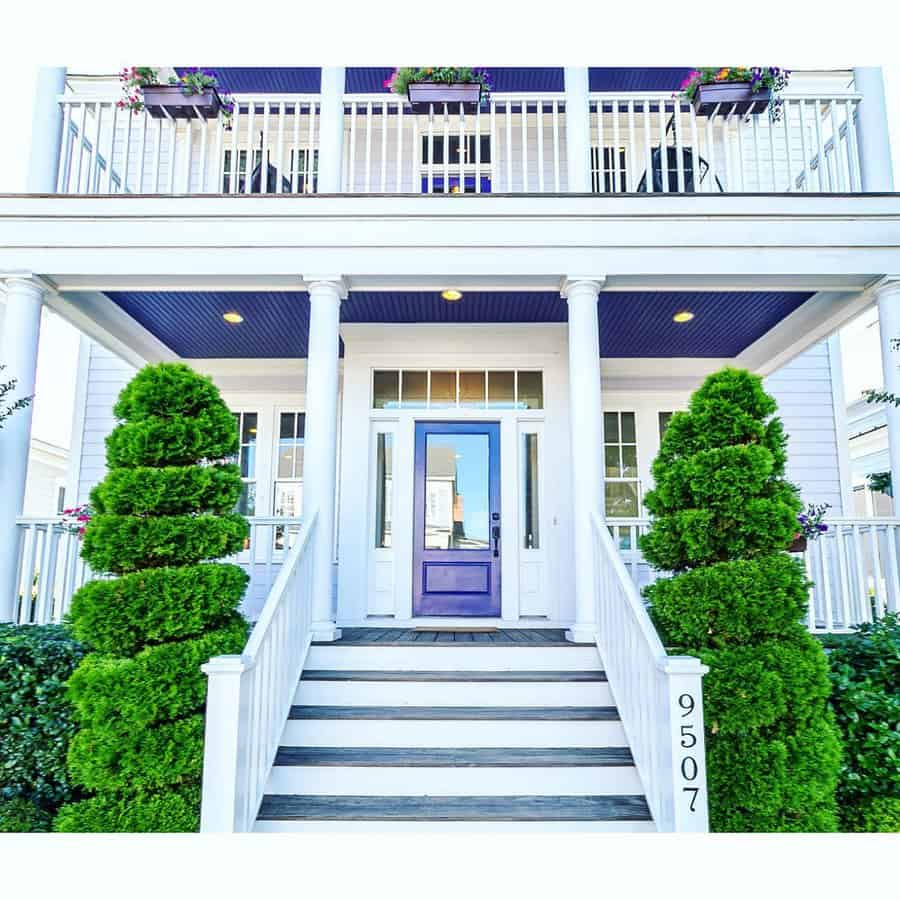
{"x":325,"y":632}
{"x":582,"y":634}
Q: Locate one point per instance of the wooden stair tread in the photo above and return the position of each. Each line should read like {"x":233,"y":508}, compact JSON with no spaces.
{"x":505,"y":757}
{"x":489,"y":713}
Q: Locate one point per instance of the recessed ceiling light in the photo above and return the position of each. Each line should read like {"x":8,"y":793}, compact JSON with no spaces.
{"x":451,"y":296}
{"x":683,"y":315}
{"x":233,"y":318}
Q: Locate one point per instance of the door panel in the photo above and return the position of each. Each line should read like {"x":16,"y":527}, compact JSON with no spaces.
{"x":457,"y":519}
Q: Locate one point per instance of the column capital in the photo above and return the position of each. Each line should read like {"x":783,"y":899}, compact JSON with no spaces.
{"x":24,"y":281}
{"x":886,"y":286}
{"x":336,"y":283}
{"x":570,"y":282}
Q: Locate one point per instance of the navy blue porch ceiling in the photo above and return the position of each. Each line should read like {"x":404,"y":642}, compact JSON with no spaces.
{"x":507,"y":79}
{"x":632,"y":324}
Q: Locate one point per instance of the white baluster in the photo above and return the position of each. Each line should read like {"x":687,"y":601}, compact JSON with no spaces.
{"x":556,"y":181}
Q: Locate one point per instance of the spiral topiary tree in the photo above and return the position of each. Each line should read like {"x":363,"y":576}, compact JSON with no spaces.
{"x":723,"y":516}
{"x":162,"y":512}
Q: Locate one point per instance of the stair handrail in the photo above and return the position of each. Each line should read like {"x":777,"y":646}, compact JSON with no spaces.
{"x":249,"y":695}
{"x":659,"y":697}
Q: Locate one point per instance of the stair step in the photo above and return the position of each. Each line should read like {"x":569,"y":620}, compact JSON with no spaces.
{"x":454,"y":756}
{"x":519,"y":808}
{"x":457,"y":713}
{"x":454,"y":657}
{"x":348,"y":826}
{"x":442,"y":675}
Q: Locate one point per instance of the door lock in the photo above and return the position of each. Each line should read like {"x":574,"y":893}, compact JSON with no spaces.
{"x":495,"y":533}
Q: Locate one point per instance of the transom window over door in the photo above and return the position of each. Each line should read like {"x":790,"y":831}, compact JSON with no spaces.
{"x":620,"y":465}
{"x":457,"y":389}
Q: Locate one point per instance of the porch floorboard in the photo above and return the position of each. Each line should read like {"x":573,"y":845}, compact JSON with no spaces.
{"x":534,"y":637}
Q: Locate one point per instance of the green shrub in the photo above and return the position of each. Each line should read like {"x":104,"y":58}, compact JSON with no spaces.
{"x":865,"y":676}
{"x":35,"y":722}
{"x":21,"y":815}
{"x":722,"y":517}
{"x":156,"y":606}
{"x":173,"y":810}
{"x":161,"y":512}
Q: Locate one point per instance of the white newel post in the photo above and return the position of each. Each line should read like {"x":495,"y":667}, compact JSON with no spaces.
{"x":18,"y":352}
{"x":872,"y":129}
{"x":223,"y":804}
{"x":888,"y":296}
{"x":331,"y":130}
{"x":578,"y":131}
{"x":684,"y":688}
{"x":320,"y":456}
{"x":586,"y":424}
{"x":46,"y":131}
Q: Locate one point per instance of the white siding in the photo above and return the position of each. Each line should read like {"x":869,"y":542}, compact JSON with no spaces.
{"x":107,"y":375}
{"x":803,"y":390}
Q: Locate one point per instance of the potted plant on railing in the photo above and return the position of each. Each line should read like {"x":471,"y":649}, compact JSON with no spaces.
{"x":746,"y":91}
{"x":812,"y":526}
{"x":441,"y":84}
{"x":193,"y":94}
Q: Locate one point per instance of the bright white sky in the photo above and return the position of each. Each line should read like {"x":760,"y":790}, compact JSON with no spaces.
{"x":59,"y":341}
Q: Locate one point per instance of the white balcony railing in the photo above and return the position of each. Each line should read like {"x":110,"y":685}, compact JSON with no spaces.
{"x":50,"y":568}
{"x":655,"y":143}
{"x":651,"y":143}
{"x":249,"y":696}
{"x":659,"y":697}
{"x":853,"y":567}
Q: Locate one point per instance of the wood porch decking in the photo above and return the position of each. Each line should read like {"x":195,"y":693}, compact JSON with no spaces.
{"x":537,"y":637}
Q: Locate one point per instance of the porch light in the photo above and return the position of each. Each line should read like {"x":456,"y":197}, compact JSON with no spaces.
{"x":233,"y":318}
{"x":451,"y":296}
{"x":682,"y":316}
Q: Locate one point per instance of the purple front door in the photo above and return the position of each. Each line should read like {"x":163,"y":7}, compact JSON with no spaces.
{"x":456,"y":558}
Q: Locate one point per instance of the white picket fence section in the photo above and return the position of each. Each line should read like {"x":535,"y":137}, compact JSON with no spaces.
{"x":51,"y":569}
{"x":249,"y":696}
{"x":659,"y":697}
{"x":655,"y":143}
{"x":515,"y":143}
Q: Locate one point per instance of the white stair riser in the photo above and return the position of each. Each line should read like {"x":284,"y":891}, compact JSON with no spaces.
{"x":454,"y":658}
{"x":451,"y":827}
{"x":449,"y":781}
{"x":453,"y":693}
{"x":451,"y":733}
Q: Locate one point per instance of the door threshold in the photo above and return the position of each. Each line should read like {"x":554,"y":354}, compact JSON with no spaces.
{"x":458,"y":628}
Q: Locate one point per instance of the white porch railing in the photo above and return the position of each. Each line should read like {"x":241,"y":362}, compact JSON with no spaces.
{"x":853,"y":567}
{"x":659,"y":697}
{"x":655,"y":143}
{"x":50,"y":568}
{"x":270,"y":145}
{"x":515,"y":145}
{"x":249,"y":696}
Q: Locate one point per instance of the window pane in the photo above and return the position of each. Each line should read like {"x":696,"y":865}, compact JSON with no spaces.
{"x":531,"y":390}
{"x":248,"y":460}
{"x":248,"y":429}
{"x":532,"y":536}
{"x":415,"y":389}
{"x":457,"y":492}
{"x":287,"y":425}
{"x":664,"y":418}
{"x":501,"y":390}
{"x":611,"y":428}
{"x":628,"y":428}
{"x":443,"y":388}
{"x":288,"y":499}
{"x":285,"y":461}
{"x":629,"y":461}
{"x":383,"y":489}
{"x":386,"y":390}
{"x":246,"y":504}
{"x":612,"y":461}
{"x":621,"y":499}
{"x":471,"y":389}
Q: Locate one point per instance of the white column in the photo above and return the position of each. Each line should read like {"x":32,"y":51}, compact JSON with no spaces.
{"x":872,"y":129}
{"x":331,"y":130}
{"x":46,"y":131}
{"x":888,"y":296}
{"x":320,"y":455}
{"x":18,"y":352}
{"x":586,"y":431}
{"x":578,"y":131}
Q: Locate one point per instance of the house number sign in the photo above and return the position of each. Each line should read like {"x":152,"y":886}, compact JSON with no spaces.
{"x":688,"y":765}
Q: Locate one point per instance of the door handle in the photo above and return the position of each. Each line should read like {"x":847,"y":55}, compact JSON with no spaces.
{"x":495,"y":533}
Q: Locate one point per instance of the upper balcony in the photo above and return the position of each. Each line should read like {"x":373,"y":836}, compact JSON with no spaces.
{"x":634,"y":133}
